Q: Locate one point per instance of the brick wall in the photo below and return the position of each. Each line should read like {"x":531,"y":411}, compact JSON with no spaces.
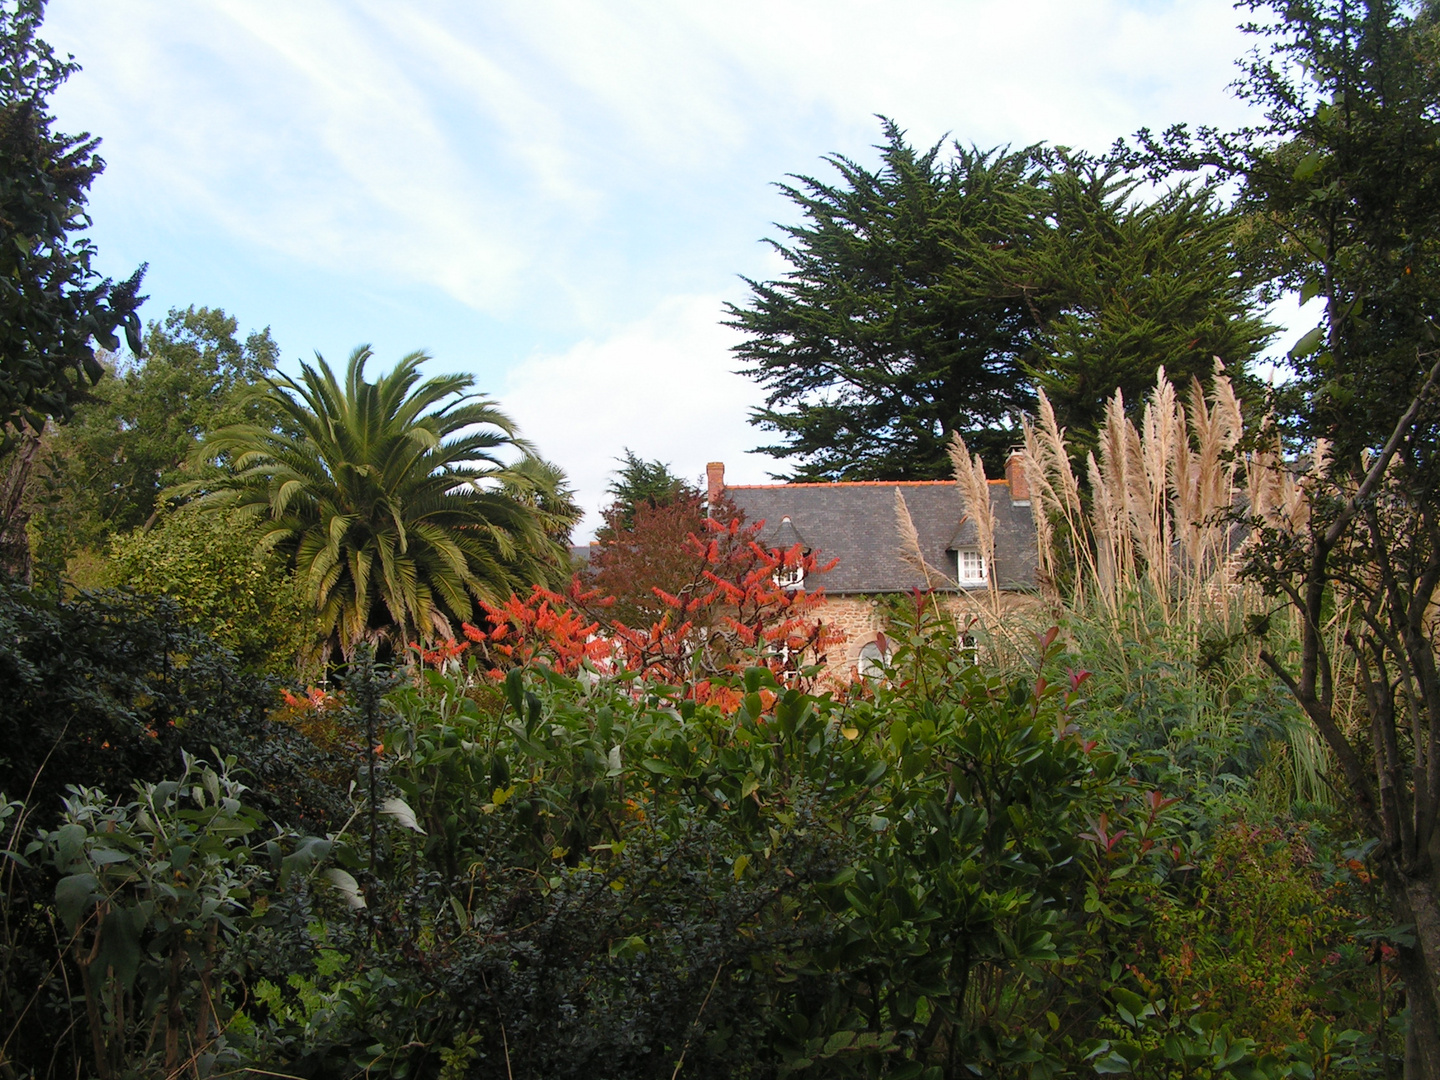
{"x":860,"y":617}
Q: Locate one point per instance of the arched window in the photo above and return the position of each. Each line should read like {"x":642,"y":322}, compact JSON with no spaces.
{"x":871,"y":662}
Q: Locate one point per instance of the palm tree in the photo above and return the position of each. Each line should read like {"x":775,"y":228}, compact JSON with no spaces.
{"x":392,"y":498}
{"x":543,"y":485}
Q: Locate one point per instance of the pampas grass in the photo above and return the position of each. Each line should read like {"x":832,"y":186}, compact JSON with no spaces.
{"x":910,"y":552}
{"x":1162,"y":499}
{"x":1147,"y":561}
{"x":1060,"y":520}
{"x":974,"y":488}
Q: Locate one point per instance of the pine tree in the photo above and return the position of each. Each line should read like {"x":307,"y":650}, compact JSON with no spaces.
{"x":640,"y":485}
{"x":1341,"y":187}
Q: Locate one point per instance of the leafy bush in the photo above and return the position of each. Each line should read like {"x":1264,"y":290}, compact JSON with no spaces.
{"x":571,"y":868}
{"x":207,"y":564}
{"x":1265,"y":935}
{"x":609,"y":872}
{"x":104,"y":689}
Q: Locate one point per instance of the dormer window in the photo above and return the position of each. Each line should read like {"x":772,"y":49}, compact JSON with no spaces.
{"x":789,"y":545}
{"x":970,"y":566}
{"x":790,"y":577}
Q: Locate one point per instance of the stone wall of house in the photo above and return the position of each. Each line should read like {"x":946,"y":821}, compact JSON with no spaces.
{"x":860,"y":618}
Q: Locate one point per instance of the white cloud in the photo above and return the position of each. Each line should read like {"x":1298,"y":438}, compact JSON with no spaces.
{"x":298,"y":129}
{"x":662,"y":386}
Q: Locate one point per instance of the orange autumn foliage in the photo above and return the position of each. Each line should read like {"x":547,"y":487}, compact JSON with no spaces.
{"x":730,"y":614}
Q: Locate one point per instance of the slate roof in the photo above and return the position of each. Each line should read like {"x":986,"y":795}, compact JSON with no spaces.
{"x":855,"y":522}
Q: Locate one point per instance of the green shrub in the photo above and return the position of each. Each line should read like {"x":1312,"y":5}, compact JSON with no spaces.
{"x":207,"y":564}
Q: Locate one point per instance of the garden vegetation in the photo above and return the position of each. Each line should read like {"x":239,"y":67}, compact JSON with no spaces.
{"x":319,"y":758}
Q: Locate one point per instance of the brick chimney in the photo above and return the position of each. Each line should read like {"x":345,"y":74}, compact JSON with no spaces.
{"x":1015,"y":477}
{"x":714,"y":483}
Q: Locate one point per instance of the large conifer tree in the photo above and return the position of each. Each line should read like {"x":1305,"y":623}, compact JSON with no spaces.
{"x":931,"y":294}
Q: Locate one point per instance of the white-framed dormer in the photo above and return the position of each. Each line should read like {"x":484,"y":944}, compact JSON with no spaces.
{"x":970,"y":568}
{"x":789,"y":577}
{"x":787,"y":542}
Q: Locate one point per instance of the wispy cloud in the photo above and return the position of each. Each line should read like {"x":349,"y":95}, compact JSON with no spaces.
{"x":494,"y":151}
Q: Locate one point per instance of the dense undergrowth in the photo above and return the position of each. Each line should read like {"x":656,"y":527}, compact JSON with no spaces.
{"x":527,"y":860}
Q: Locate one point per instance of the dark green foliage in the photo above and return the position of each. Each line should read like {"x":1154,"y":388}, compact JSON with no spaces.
{"x":102,"y":474}
{"x":610,"y":974}
{"x":616,"y":876}
{"x":53,"y":306}
{"x":1137,"y":284}
{"x":928,"y":296}
{"x":1341,"y":190}
{"x":870,"y":360}
{"x":1342,"y":180}
{"x":1212,"y":722}
{"x":103,"y":690}
{"x":945,"y":876}
{"x":639,"y":484}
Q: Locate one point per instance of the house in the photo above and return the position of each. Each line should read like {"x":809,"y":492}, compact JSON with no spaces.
{"x":854,"y":522}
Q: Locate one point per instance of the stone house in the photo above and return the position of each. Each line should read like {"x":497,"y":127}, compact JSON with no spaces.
{"x":854,"y":522}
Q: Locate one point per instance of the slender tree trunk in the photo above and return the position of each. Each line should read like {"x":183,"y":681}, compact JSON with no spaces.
{"x":1415,"y":901}
{"x":83,"y":960}
{"x":174,"y":1012}
{"x":15,"y":470}
{"x":206,"y":1005}
{"x":1379,"y":557}
{"x":1405,"y":873}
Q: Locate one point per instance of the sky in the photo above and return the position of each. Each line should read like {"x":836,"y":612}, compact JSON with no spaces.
{"x":560,"y":197}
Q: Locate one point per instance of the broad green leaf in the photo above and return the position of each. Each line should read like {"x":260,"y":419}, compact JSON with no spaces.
{"x":1112,"y":1064}
{"x":400,"y":810}
{"x":1308,"y":165}
{"x":73,"y":897}
{"x":1309,"y":343}
{"x":345,"y":884}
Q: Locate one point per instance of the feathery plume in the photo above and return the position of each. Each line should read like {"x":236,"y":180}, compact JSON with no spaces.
{"x":975,"y":491}
{"x":910,"y":552}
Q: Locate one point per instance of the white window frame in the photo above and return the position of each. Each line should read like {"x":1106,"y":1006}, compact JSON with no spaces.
{"x":968,"y":576}
{"x":968,"y":648}
{"x":789,"y":577}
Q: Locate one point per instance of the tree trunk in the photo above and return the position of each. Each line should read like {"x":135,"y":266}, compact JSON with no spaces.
{"x":1415,"y":901}
{"x":14,"y":512}
{"x":174,"y":1010}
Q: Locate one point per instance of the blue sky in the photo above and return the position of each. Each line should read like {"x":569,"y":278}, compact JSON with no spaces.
{"x":559,"y":197}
